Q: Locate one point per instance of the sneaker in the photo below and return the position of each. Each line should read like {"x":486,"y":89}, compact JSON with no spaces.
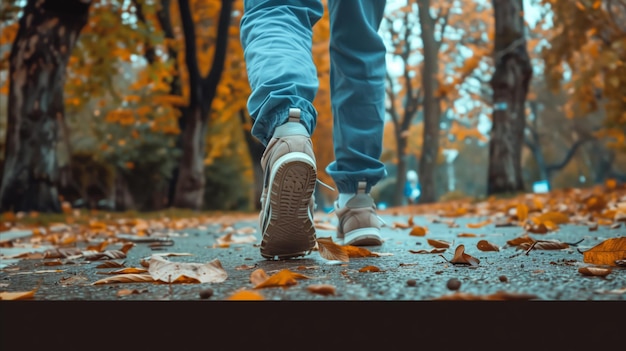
{"x":290,"y":174}
{"x":359,"y":225}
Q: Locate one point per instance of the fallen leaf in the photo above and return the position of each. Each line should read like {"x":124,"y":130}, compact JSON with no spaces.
{"x":246,"y":295}
{"x":331,"y":251}
{"x":322,"y":289}
{"x":536,"y":228}
{"x":520,"y":240}
{"x":466,"y":235}
{"x":17,"y":295}
{"x":106,"y":255}
{"x":369,"y":269}
{"x":417,"y":231}
{"x":521,"y":212}
{"x":552,"y":216}
{"x":125,"y":278}
{"x":460,"y":257}
{"x":479,"y":224}
{"x":484,"y":245}
{"x":607,"y":252}
{"x":62,"y":252}
{"x":129,"y":270}
{"x":440,"y":244}
{"x":282,"y":278}
{"x":433,"y":251}
{"x":355,"y":251}
{"x":594,"y":271}
{"x":244,"y":267}
{"x":110,"y":264}
{"x":258,"y":276}
{"x":545,"y":245}
{"x":169,"y":272}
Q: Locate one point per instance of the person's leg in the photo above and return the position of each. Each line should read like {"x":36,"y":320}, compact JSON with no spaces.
{"x":357,"y":78}
{"x":276,"y":38}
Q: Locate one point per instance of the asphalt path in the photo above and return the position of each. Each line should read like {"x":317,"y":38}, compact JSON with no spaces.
{"x":401,"y":272}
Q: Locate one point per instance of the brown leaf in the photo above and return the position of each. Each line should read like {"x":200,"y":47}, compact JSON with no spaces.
{"x":536,"y":228}
{"x":369,"y":269}
{"x":331,"y":251}
{"x":62,"y":252}
{"x":258,"y":276}
{"x":520,"y":240}
{"x":433,"y":251}
{"x":246,"y":295}
{"x":545,"y":245}
{"x":129,"y":270}
{"x":417,"y":231}
{"x":440,"y":244}
{"x":126,"y":292}
{"x":170,"y":272}
{"x":484,"y":245}
{"x":111,"y":264}
{"x":322,"y":289}
{"x":607,"y":252}
{"x":125,"y":278}
{"x":594,"y":271}
{"x":282,"y":278}
{"x":106,"y":255}
{"x":460,"y":257}
{"x":466,"y":235}
{"x":355,"y":251}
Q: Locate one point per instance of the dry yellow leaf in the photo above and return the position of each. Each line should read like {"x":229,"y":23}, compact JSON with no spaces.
{"x":594,"y":271}
{"x":418,"y":231}
{"x":521,"y":212}
{"x":17,"y":295}
{"x":479,"y":224}
{"x":355,"y":251}
{"x":245,"y":295}
{"x":282,"y":278}
{"x":607,"y":252}
{"x":554,"y":217}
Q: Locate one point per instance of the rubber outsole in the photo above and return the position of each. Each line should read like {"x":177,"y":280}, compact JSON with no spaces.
{"x":290,"y":231}
{"x":363,"y":237}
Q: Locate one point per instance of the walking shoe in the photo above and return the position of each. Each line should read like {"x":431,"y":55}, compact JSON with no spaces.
{"x":290,"y":173}
{"x":359,"y":225}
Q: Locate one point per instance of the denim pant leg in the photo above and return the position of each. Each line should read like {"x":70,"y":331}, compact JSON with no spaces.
{"x":357,"y":78}
{"x":276,"y":37}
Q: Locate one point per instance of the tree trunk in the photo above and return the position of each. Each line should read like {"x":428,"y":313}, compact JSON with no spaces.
{"x":510,"y":87}
{"x":189,"y":191}
{"x":432,"y":108}
{"x":47,"y":33}
{"x":256,"y":149}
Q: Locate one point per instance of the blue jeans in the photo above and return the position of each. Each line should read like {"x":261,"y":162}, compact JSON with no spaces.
{"x":276,"y":37}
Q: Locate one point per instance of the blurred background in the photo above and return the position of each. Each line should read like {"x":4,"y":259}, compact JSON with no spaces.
{"x":141,"y":104}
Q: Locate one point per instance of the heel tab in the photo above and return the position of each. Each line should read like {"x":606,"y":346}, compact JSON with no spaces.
{"x":294,"y":115}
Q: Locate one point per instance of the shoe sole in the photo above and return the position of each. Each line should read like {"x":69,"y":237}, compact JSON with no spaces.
{"x":290,"y":231}
{"x":363,"y":237}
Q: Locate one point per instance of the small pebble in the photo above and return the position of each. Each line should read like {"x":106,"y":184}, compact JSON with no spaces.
{"x":206,"y":293}
{"x":411,"y":282}
{"x":453,"y":284}
{"x":503,"y":278}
